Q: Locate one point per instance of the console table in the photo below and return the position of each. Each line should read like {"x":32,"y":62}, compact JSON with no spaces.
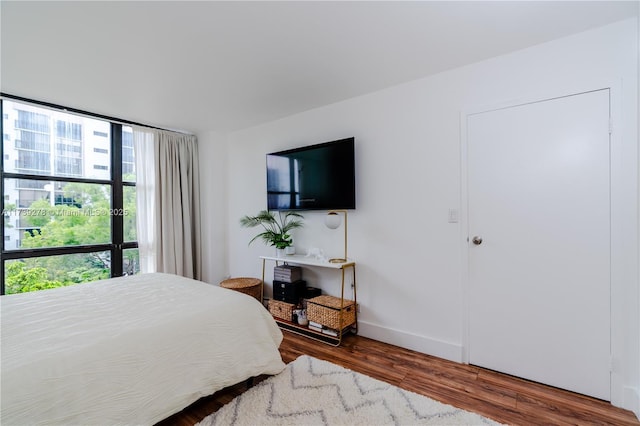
{"x":309,"y":261}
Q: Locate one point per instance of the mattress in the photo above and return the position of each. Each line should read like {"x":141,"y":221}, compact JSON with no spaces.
{"x":129,"y":350}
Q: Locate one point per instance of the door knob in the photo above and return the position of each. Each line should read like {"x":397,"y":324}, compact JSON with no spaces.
{"x":477,"y":240}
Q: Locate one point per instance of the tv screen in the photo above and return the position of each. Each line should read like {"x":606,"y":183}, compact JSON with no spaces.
{"x":315,"y":177}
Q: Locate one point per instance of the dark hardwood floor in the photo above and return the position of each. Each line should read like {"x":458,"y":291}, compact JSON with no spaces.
{"x":498,"y":396}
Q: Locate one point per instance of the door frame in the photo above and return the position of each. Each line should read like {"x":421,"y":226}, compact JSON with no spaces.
{"x":619,"y":191}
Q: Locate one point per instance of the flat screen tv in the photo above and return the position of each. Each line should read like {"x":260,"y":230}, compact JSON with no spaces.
{"x":315,"y":177}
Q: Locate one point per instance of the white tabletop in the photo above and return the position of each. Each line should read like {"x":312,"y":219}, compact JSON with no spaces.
{"x":300,"y":259}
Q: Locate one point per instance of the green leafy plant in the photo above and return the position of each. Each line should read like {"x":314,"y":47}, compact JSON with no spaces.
{"x":276,"y":228}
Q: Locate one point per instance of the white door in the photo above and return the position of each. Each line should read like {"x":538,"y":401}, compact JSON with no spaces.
{"x":539,"y":279}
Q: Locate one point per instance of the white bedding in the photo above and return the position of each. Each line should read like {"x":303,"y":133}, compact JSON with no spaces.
{"x":130,"y":350}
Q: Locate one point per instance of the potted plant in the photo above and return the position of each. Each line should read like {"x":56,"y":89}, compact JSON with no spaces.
{"x":276,"y":228}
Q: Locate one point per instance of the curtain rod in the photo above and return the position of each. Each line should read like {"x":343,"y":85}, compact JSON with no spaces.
{"x":86,"y":113}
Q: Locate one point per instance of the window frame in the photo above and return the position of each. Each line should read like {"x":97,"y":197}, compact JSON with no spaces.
{"x":117,"y":245}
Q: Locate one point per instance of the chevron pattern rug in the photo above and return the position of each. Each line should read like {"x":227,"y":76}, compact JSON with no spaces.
{"x":314,"y":392}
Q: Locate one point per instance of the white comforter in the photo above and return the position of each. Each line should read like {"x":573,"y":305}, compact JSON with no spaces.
{"x":129,"y":350}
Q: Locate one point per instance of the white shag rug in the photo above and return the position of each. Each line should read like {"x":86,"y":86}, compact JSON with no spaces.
{"x":314,"y":392}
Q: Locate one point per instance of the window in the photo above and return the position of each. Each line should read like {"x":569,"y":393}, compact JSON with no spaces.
{"x":33,"y":141}
{"x":69,"y":150}
{"x":73,"y":214}
{"x":30,"y":161}
{"x":68,"y":166}
{"x":128,"y":158}
{"x":69,"y":130}
{"x":32,"y":120}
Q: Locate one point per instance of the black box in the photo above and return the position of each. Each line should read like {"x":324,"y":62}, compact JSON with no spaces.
{"x":289,"y":292}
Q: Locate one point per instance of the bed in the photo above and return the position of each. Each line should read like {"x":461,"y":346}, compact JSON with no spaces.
{"x":130,"y":350}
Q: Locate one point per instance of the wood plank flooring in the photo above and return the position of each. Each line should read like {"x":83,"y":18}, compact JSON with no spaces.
{"x":503,"y":398}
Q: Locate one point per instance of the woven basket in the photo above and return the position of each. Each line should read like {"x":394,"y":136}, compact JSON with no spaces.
{"x":325,"y":310}
{"x":282,"y":310}
{"x":250,"y":286}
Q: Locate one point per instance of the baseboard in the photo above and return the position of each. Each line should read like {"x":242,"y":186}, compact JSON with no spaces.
{"x":632,"y":400}
{"x":415,"y":342}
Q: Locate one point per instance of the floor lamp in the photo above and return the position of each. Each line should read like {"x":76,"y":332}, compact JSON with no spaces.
{"x":332,"y":221}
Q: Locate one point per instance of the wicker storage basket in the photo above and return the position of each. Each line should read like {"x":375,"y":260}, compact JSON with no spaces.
{"x":250,"y":286}
{"x":282,"y":310}
{"x":325,"y":310}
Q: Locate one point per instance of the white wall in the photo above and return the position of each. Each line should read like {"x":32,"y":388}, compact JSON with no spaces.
{"x":212,"y":149}
{"x":410,"y":281}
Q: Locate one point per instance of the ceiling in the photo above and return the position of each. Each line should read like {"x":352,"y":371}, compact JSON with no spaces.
{"x":222,"y":66}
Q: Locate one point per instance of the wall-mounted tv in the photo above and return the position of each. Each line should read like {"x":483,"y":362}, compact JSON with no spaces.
{"x":315,"y":177}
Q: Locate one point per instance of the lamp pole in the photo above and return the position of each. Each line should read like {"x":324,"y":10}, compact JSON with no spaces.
{"x":333,"y":225}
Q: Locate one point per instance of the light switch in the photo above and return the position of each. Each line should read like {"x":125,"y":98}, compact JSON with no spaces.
{"x":453,"y":216}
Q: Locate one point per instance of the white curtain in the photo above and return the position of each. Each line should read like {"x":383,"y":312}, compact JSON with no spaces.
{"x":168,"y":202}
{"x":143,"y":140}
